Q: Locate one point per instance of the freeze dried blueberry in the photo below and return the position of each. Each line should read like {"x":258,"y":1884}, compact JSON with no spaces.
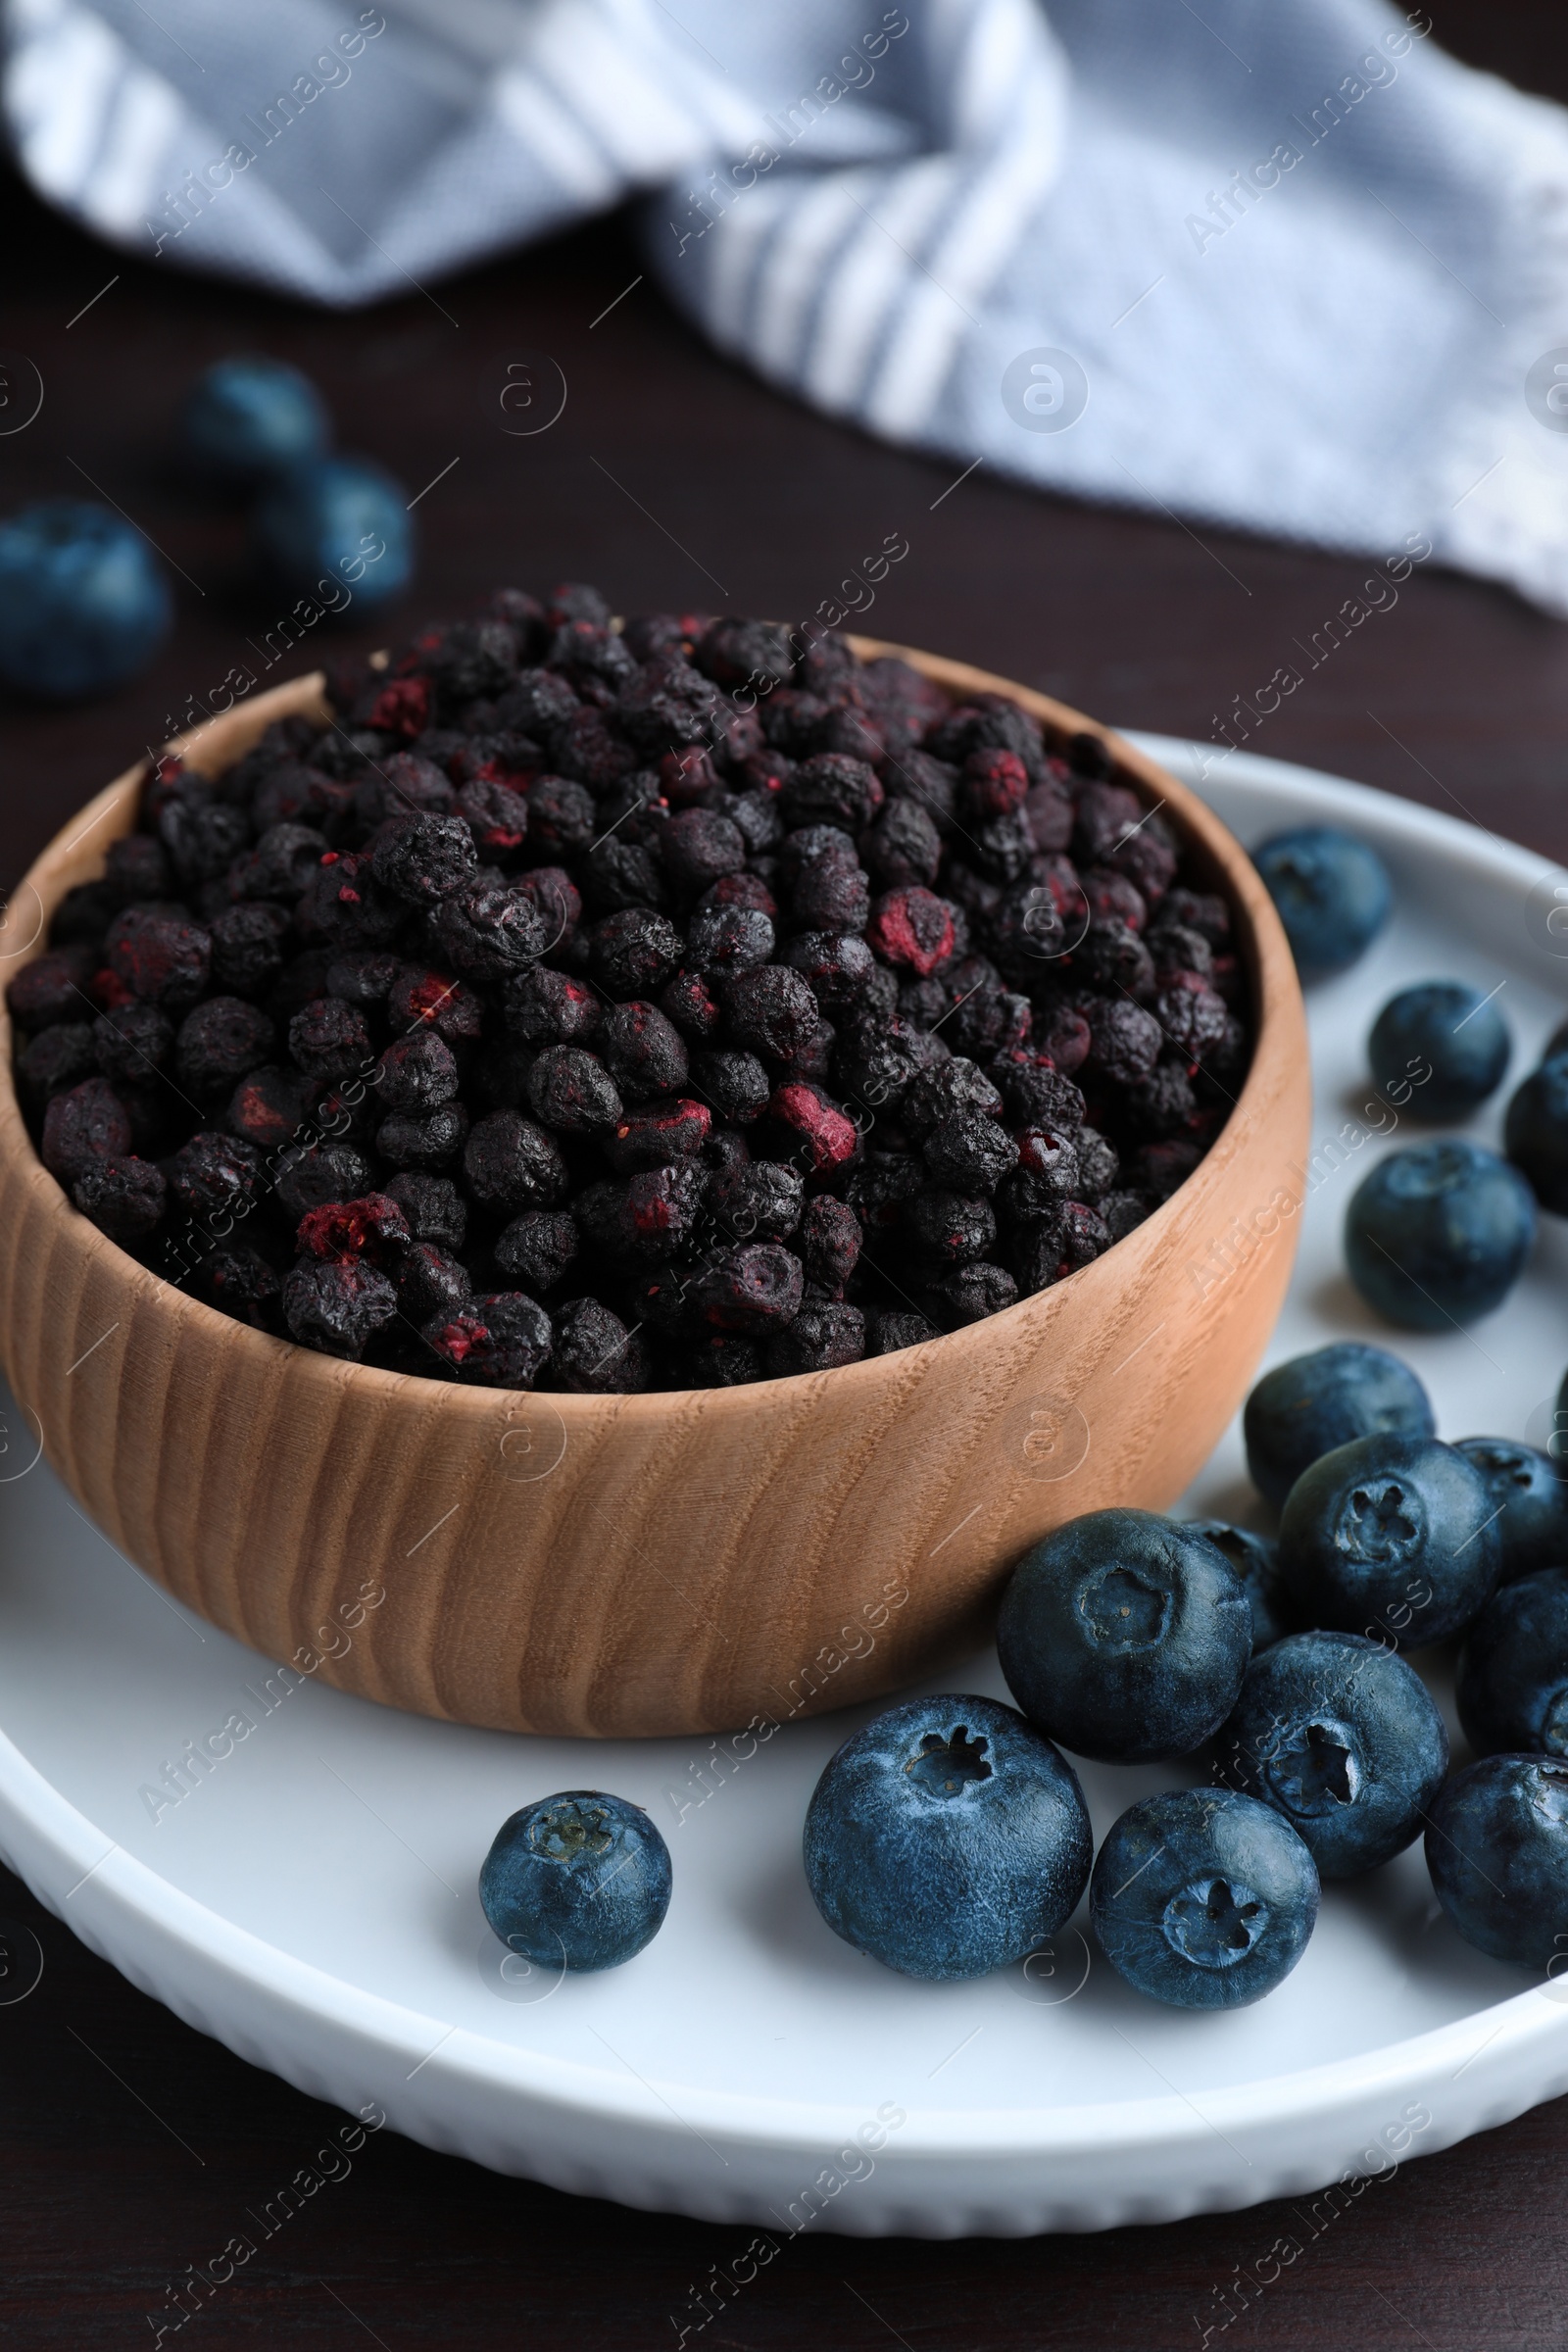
{"x":770,"y":1011}
{"x":1123,"y":1213}
{"x":1161,"y":1104}
{"x":656,"y":1212}
{"x":537,"y":1247}
{"x":267,"y":1107}
{"x":832,"y":789}
{"x":1048,"y":1173}
{"x":1099,"y":1165}
{"x":827,"y":1333}
{"x":880,"y":1187}
{"x":433,"y":1206}
{"x":281,"y":865}
{"x":326,"y":1038}
{"x":1160,"y":1168}
{"x":832,"y":894}
{"x":416,"y":1073}
{"x":338,"y":1306}
{"x":122,"y":1196}
{"x":133,"y":1044}
{"x":373,"y":1228}
{"x":620,"y":873}
{"x":1034,"y":1253}
{"x":496,"y":815}
{"x":914,"y":929}
{"x":364,"y":976}
{"x":570,"y":1090}
{"x":971,"y":1292}
{"x":1047,"y":814}
{"x":215,"y":1176}
{"x":735,"y":1084}
{"x":725,"y":939}
{"x":61,"y":1057}
{"x":86,"y":1123}
{"x":758,"y":1200}
{"x":247,"y":954}
{"x":1062,"y":1034}
{"x":561,"y":816}
{"x":644,"y":1050}
{"x":1034,"y":1092}
{"x":137,"y":866}
{"x":721,"y":1360}
{"x":406,"y":784}
{"x":752,"y":1289}
{"x":633,"y":952}
{"x":654,"y":1135}
{"x":893,"y":1329}
{"x":423,"y":1139}
{"x":594,"y":1354}
{"x":698,"y":847}
{"x":734,"y":652}
{"x":1113,"y":958}
{"x":969,"y":1153}
{"x":1177,"y":949}
{"x":1125,"y":1040}
{"x":557,"y":901}
{"x":690,"y":1002}
{"x":510,"y":1164}
{"x":490,"y":928}
{"x":419,"y":998}
{"x":904,"y":848}
{"x":545,"y":1008}
{"x":812,"y":1130}
{"x":1193,"y":1017}
{"x":314,"y":1174}
{"x":217,"y":1044}
{"x":161,"y":958}
{"x":430,"y":1281}
{"x":1107,"y":814}
{"x":1084,"y":1235}
{"x":424,"y":859}
{"x":500,"y":1341}
{"x":829,"y":1244}
{"x":343,"y":906}
{"x":239,"y":1282}
{"x":836,"y":967}
{"x":950,"y":1228}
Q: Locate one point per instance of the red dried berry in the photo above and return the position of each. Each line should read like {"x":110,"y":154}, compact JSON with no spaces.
{"x":372,"y":1228}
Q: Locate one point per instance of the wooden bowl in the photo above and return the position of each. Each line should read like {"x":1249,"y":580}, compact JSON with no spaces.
{"x":631,"y":1565}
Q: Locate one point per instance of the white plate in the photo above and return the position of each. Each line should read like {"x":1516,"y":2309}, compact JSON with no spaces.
{"x":311,"y":1901}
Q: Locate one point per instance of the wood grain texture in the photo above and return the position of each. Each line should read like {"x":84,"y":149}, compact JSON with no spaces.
{"x":674,"y":1562}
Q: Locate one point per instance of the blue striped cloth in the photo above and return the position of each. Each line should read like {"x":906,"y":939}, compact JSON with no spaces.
{"x":1278,"y":264}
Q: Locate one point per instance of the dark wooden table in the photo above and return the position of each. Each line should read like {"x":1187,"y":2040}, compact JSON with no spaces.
{"x":668,"y":473}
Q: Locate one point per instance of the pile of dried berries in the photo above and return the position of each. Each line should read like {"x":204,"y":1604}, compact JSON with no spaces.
{"x":598,"y":1008}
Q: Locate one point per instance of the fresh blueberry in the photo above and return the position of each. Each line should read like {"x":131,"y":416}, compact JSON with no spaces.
{"x":1204,"y":1899}
{"x":1498,"y":1850}
{"x":1342,"y":1738}
{"x":1445,"y":1044}
{"x":1535,"y":1132}
{"x":1125,"y":1637}
{"x":1308,"y":1406}
{"x":1391,"y":1537}
{"x":947,"y":1838}
{"x":1255,"y":1561}
{"x":1332,"y":893}
{"x":1527,"y":1492}
{"x":336,"y":519}
{"x":1439,"y":1234}
{"x":246,"y":419}
{"x":82,"y":601}
{"x":1513,"y":1670}
{"x":577,"y":1881}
